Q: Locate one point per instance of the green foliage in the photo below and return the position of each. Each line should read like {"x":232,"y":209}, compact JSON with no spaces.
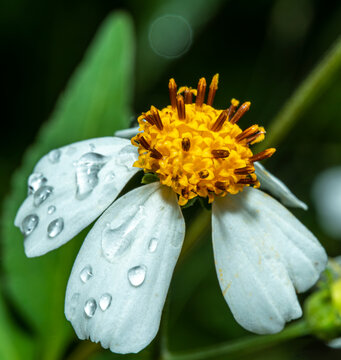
{"x":95,"y":103}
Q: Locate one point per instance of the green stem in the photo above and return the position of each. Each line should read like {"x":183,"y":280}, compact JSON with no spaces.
{"x":195,"y":232}
{"x":244,"y":346}
{"x":318,"y":80}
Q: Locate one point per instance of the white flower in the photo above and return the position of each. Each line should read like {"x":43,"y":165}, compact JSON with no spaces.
{"x":120,"y":278}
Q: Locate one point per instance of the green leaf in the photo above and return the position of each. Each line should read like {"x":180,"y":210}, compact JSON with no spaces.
{"x":95,"y":103}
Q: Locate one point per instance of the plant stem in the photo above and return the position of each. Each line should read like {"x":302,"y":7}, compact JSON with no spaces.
{"x":84,"y":350}
{"x":318,"y":80}
{"x":243,"y":346}
{"x":195,"y":232}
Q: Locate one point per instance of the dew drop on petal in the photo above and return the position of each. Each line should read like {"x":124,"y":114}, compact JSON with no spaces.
{"x":87,"y":169}
{"x":73,"y":304}
{"x":86,"y":273}
{"x":92,"y":147}
{"x":127,"y":156}
{"x":54,"y":156}
{"x":51,"y":209}
{"x":29,"y":224}
{"x":90,"y":307}
{"x":110,"y":177}
{"x":55,"y":227}
{"x":35,"y":181}
{"x":114,"y":243}
{"x":137,"y":275}
{"x":42,"y":194}
{"x":152,"y":245}
{"x":105,"y":301}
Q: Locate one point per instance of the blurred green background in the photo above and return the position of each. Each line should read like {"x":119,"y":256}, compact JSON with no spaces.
{"x":263,"y":50}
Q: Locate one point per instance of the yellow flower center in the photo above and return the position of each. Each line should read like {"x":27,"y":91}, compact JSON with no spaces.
{"x":196,"y":149}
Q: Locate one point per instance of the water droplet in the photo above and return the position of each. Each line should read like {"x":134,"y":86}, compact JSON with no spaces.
{"x":92,"y":147}
{"x":116,"y":240}
{"x":35,"y":181}
{"x":87,"y":169}
{"x":127,"y":156}
{"x":152,"y":245}
{"x":51,"y":209}
{"x":73,"y":304}
{"x":55,"y":227}
{"x":29,"y":224}
{"x":110,"y":177}
{"x":54,"y":156}
{"x":42,"y":194}
{"x":86,"y":273}
{"x":114,"y":243}
{"x":105,"y":301}
{"x":90,"y":307}
{"x":137,"y":275}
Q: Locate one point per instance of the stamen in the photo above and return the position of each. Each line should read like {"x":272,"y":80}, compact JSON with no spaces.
{"x":155,"y":154}
{"x":213,"y":89}
{"x":220,"y":154}
{"x":250,"y":131}
{"x":232,"y":108}
{"x":247,"y":181}
{"x":251,"y":139}
{"x":240,"y":112}
{"x":262,"y":155}
{"x":201,"y":93}
{"x":172,"y":92}
{"x":144,"y":143}
{"x":150,"y":119}
{"x":188,"y":96}
{"x":186,"y":144}
{"x":220,"y":185}
{"x":181,"y":107}
{"x":249,"y":169}
{"x":220,"y":121}
{"x":156,"y":117}
{"x":203,"y":174}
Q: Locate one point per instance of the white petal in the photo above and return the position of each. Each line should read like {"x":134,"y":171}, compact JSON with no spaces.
{"x":132,"y":251}
{"x":82,"y":180}
{"x":335,"y":343}
{"x":277,"y":188}
{"x":127,"y":133}
{"x":261,"y":252}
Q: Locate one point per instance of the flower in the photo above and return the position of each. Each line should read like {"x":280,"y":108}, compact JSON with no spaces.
{"x":121,"y":276}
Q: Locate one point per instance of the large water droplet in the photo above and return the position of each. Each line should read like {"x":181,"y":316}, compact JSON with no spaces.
{"x":110,"y":177}
{"x":86,"y":273}
{"x":42,"y":194}
{"x":54,"y":156}
{"x":105,"y":301}
{"x":152,"y":245}
{"x":55,"y":227}
{"x":51,"y":209}
{"x":90,"y":307}
{"x":127,"y":156}
{"x":87,"y":169}
{"x":35,"y":181}
{"x":29,"y":224}
{"x":115,"y":241}
{"x":72,"y":304}
{"x":137,"y":275}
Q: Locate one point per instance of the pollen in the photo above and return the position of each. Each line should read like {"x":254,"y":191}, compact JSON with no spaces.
{"x":196,"y":149}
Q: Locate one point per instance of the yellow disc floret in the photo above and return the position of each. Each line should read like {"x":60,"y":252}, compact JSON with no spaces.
{"x":196,"y":149}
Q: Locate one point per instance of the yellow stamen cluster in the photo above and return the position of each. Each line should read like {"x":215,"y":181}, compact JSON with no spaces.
{"x":196,"y":149}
